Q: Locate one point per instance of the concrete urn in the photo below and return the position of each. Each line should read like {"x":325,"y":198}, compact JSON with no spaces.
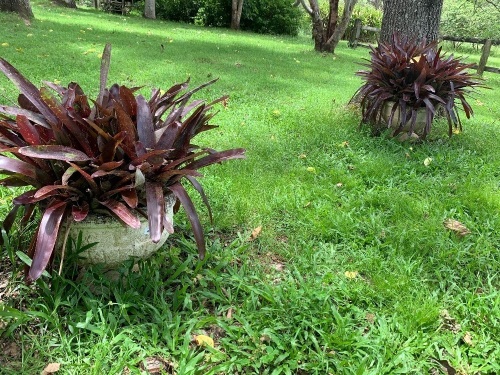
{"x":115,"y":241}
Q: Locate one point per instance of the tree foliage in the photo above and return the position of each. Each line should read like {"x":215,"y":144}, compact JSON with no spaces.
{"x":471,"y":18}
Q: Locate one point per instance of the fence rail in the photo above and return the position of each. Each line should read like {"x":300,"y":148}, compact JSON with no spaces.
{"x":481,"y":67}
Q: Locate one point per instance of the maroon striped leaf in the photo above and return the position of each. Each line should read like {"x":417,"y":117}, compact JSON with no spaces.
{"x":50,"y":189}
{"x":9,"y":220}
{"x":156,"y":209}
{"x":145,"y":128}
{"x":48,"y":231}
{"x":28,"y":131}
{"x":87,"y":177}
{"x":74,"y":130}
{"x":17,"y":166}
{"x":122,"y":212}
{"x":169,"y":135}
{"x":217,"y":157}
{"x":30,"y":115}
{"x":28,"y":89}
{"x":126,"y":125}
{"x":186,"y":202}
{"x":111,"y":165}
{"x":201,"y":191}
{"x":129,"y":196}
{"x":54,"y":152}
{"x":80,"y":212}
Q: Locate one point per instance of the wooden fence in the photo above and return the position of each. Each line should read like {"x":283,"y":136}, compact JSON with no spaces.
{"x":481,"y":67}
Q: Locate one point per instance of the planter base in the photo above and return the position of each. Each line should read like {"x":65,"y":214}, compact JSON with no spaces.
{"x":115,"y":242}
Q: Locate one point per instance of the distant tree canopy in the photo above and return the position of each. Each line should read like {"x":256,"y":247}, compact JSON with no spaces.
{"x":471,"y":18}
{"x":21,"y":7}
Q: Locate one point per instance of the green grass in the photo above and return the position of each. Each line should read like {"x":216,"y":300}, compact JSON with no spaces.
{"x":330,"y":200}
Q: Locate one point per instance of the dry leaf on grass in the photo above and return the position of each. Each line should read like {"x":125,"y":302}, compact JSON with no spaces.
{"x":370,"y":318}
{"x":449,"y":323}
{"x":468,"y":339}
{"x":51,"y":368}
{"x":154,"y":365}
{"x":255,"y":233}
{"x":457,"y":227}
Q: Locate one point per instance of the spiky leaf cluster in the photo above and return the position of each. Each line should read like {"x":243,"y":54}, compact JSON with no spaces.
{"x":122,"y":155}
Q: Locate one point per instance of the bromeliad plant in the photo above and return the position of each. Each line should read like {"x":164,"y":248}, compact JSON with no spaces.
{"x":122,"y":156}
{"x":406,"y":77}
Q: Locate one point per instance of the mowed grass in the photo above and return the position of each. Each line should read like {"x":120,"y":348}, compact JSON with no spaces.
{"x":353,"y":270}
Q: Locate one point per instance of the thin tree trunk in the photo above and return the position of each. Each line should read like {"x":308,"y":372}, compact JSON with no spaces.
{"x":341,"y":27}
{"x":236,"y":9}
{"x":150,"y":9}
{"x":417,"y":19}
{"x":22,"y":7}
{"x":327,"y":32}
{"x":333,"y":17}
{"x":318,"y":29}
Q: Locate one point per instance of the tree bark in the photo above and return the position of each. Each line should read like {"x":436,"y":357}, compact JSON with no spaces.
{"x":22,"y":7}
{"x":66,"y":3}
{"x":236,"y":9}
{"x":150,"y":9}
{"x":417,"y":19}
{"x":327,"y":32}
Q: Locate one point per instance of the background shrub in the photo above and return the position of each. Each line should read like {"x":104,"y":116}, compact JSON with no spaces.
{"x":215,"y":13}
{"x":177,"y":10}
{"x":369,"y":17}
{"x":271,"y":17}
{"x":261,"y":16}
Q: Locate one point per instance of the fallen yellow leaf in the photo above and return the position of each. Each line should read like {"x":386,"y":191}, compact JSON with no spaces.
{"x":427,"y":161}
{"x":311,"y":169}
{"x":351,"y":274}
{"x":5,"y":44}
{"x":202,"y":340}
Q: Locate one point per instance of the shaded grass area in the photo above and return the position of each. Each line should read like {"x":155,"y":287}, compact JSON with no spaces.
{"x":353,"y":271}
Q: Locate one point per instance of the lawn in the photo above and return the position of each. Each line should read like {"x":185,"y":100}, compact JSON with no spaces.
{"x":328,"y":253}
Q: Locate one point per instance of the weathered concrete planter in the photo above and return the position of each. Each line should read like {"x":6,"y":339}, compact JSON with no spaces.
{"x":116,"y":242}
{"x":418,"y":128}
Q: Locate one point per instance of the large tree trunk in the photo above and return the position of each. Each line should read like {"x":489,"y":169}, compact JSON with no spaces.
{"x":327,"y":32}
{"x":417,"y":19}
{"x":236,"y":9}
{"x":150,"y":9}
{"x":22,"y":7}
